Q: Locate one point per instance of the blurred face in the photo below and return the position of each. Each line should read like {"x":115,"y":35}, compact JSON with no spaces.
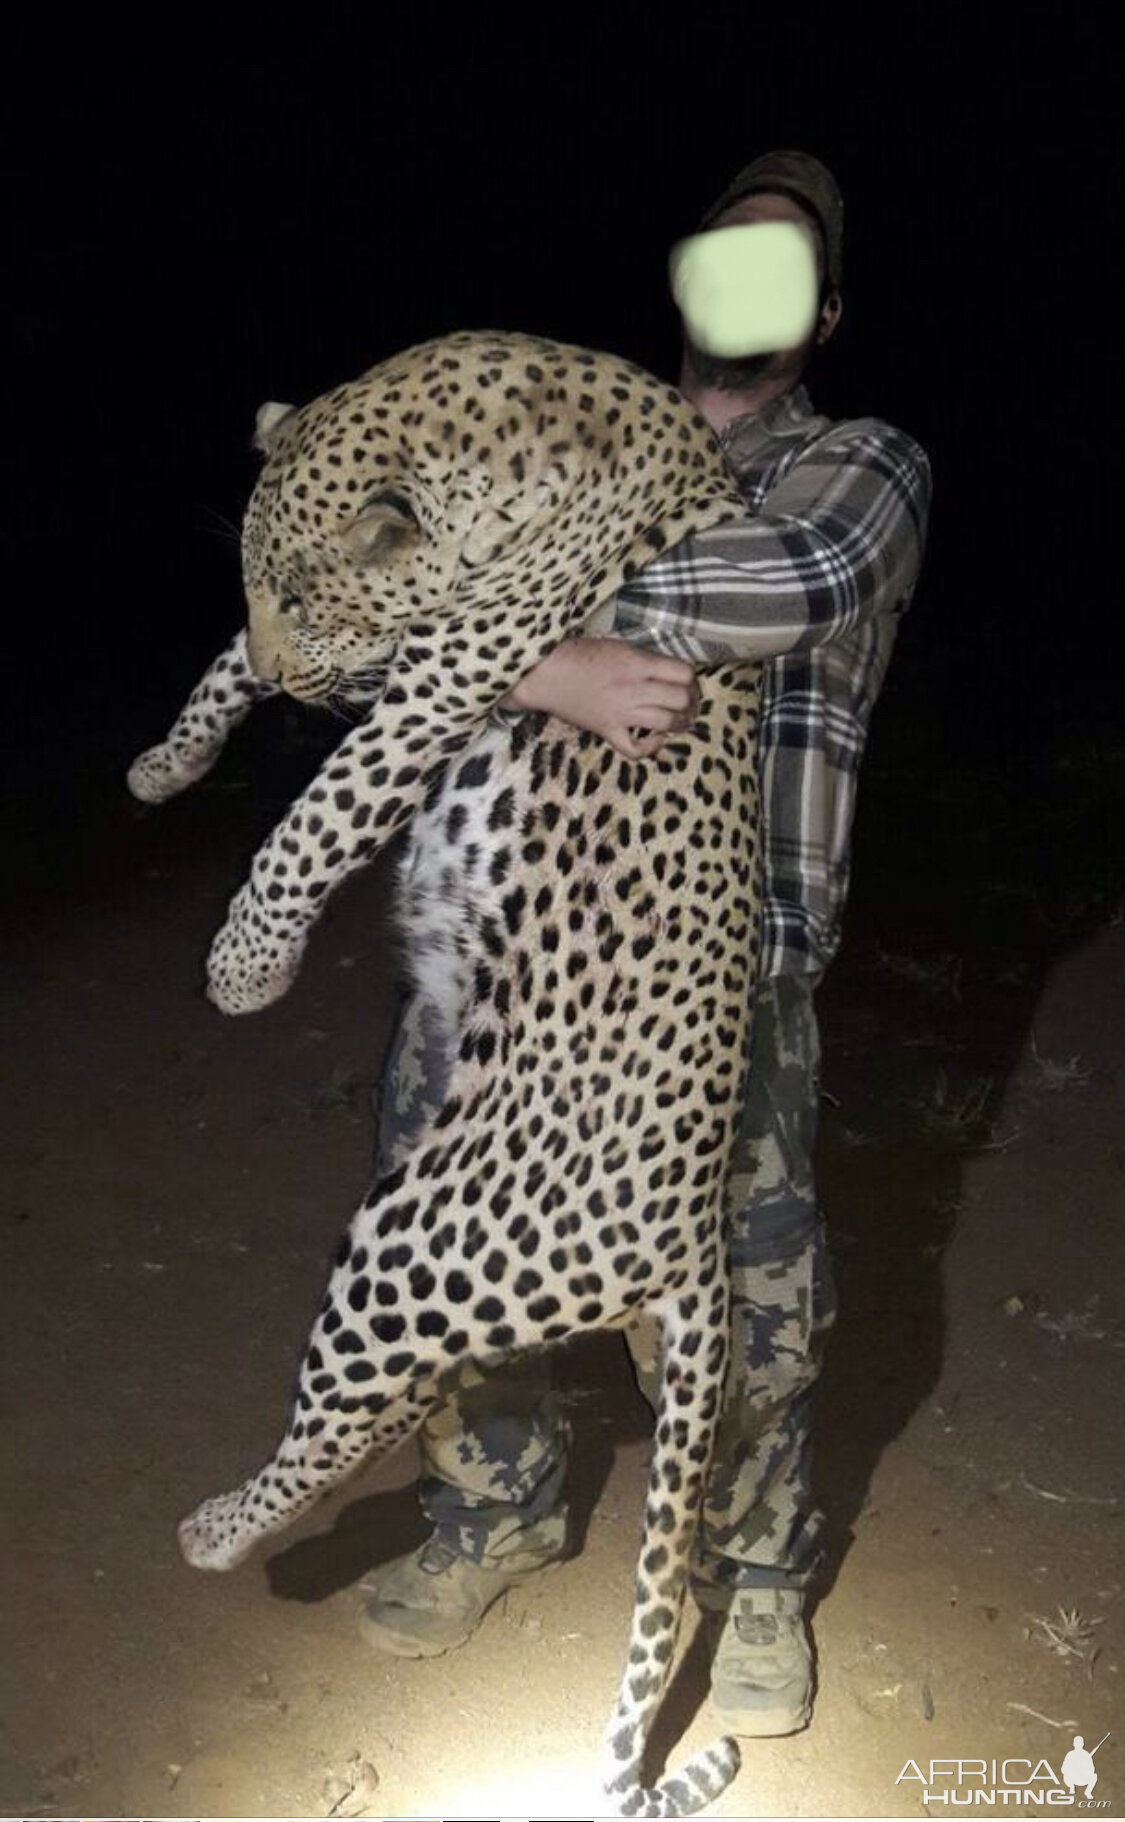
{"x":784,"y":365}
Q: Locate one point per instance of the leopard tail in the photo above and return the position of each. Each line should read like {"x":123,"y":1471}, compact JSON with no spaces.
{"x":690,"y":1400}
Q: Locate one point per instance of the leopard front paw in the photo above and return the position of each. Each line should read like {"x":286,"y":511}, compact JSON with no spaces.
{"x":250,"y":966}
{"x":164,"y":770}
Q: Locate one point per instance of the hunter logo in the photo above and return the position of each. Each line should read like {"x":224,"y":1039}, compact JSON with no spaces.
{"x":1010,"y":1783}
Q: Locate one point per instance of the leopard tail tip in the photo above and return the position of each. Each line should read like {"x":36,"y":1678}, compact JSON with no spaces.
{"x":684,"y":1793}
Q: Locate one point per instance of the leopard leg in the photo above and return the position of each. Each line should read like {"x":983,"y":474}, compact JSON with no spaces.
{"x":384,"y":1337}
{"x":221,"y":699}
{"x":222,"y":1532}
{"x":695,"y":1337}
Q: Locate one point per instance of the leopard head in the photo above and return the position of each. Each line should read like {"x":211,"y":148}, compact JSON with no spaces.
{"x":341,"y":546}
{"x":479,"y":470}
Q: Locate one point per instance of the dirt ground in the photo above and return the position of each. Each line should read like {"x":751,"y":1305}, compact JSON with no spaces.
{"x":177,"y":1182}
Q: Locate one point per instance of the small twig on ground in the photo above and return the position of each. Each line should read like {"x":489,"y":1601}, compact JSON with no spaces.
{"x":1022,"y":1708}
{"x":1070,"y":1636}
{"x":1087,"y":1324}
{"x":959,"y":1115}
{"x":1054,"y":1075}
{"x":1002,"y":1144}
{"x":1041,"y":1492}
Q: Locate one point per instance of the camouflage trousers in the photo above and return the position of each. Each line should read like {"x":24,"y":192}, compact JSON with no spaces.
{"x":495,"y":1452}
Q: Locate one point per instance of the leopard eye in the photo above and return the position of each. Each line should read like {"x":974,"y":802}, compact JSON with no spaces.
{"x":293,"y":605}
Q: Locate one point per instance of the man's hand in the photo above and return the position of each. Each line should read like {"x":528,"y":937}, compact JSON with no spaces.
{"x":613,"y":688}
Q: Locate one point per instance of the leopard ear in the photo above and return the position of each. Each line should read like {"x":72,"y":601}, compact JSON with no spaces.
{"x":270,"y":417}
{"x":384,"y":523}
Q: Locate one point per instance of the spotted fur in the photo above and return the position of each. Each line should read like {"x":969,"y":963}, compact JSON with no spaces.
{"x":586,"y":925}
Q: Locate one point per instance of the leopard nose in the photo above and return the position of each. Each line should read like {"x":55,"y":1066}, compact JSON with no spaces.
{"x":265,"y":660}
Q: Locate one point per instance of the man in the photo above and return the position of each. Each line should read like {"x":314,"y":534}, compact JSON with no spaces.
{"x":1078,"y":1767}
{"x":812,"y":583}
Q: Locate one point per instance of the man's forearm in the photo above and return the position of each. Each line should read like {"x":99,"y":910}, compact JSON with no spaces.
{"x":839,"y":540}
{"x":632,"y":697}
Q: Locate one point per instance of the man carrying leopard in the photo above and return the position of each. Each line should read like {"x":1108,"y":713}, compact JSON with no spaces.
{"x":813,"y":582}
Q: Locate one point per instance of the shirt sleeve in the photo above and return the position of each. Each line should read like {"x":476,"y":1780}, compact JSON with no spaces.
{"x":838,"y":540}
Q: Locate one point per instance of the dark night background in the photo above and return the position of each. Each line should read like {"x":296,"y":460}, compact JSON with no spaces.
{"x":199,"y":224}
{"x":207,"y":210}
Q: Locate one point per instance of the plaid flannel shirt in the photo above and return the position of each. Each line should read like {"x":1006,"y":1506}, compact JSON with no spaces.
{"x":813,"y":582}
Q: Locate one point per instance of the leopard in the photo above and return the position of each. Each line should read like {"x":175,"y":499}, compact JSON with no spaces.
{"x":585,"y":925}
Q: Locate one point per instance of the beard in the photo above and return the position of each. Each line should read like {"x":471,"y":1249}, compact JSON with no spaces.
{"x":722,"y":373}
{"x":739,"y":375}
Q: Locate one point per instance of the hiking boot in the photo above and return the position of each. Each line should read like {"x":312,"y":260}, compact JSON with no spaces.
{"x":432,"y":1601}
{"x":761,"y":1670}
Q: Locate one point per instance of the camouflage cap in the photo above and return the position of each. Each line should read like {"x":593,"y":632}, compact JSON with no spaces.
{"x":808,"y":182}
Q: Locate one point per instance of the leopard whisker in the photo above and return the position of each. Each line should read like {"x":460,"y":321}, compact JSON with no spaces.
{"x":224,"y":530}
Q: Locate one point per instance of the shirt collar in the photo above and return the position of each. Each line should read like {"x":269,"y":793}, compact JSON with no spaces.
{"x":789,"y":415}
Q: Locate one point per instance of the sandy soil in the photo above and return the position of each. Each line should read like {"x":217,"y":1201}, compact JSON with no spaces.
{"x":177,"y":1183}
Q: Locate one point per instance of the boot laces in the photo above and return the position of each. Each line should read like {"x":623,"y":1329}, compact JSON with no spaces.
{"x":757,"y":1629}
{"x":437,"y":1555}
